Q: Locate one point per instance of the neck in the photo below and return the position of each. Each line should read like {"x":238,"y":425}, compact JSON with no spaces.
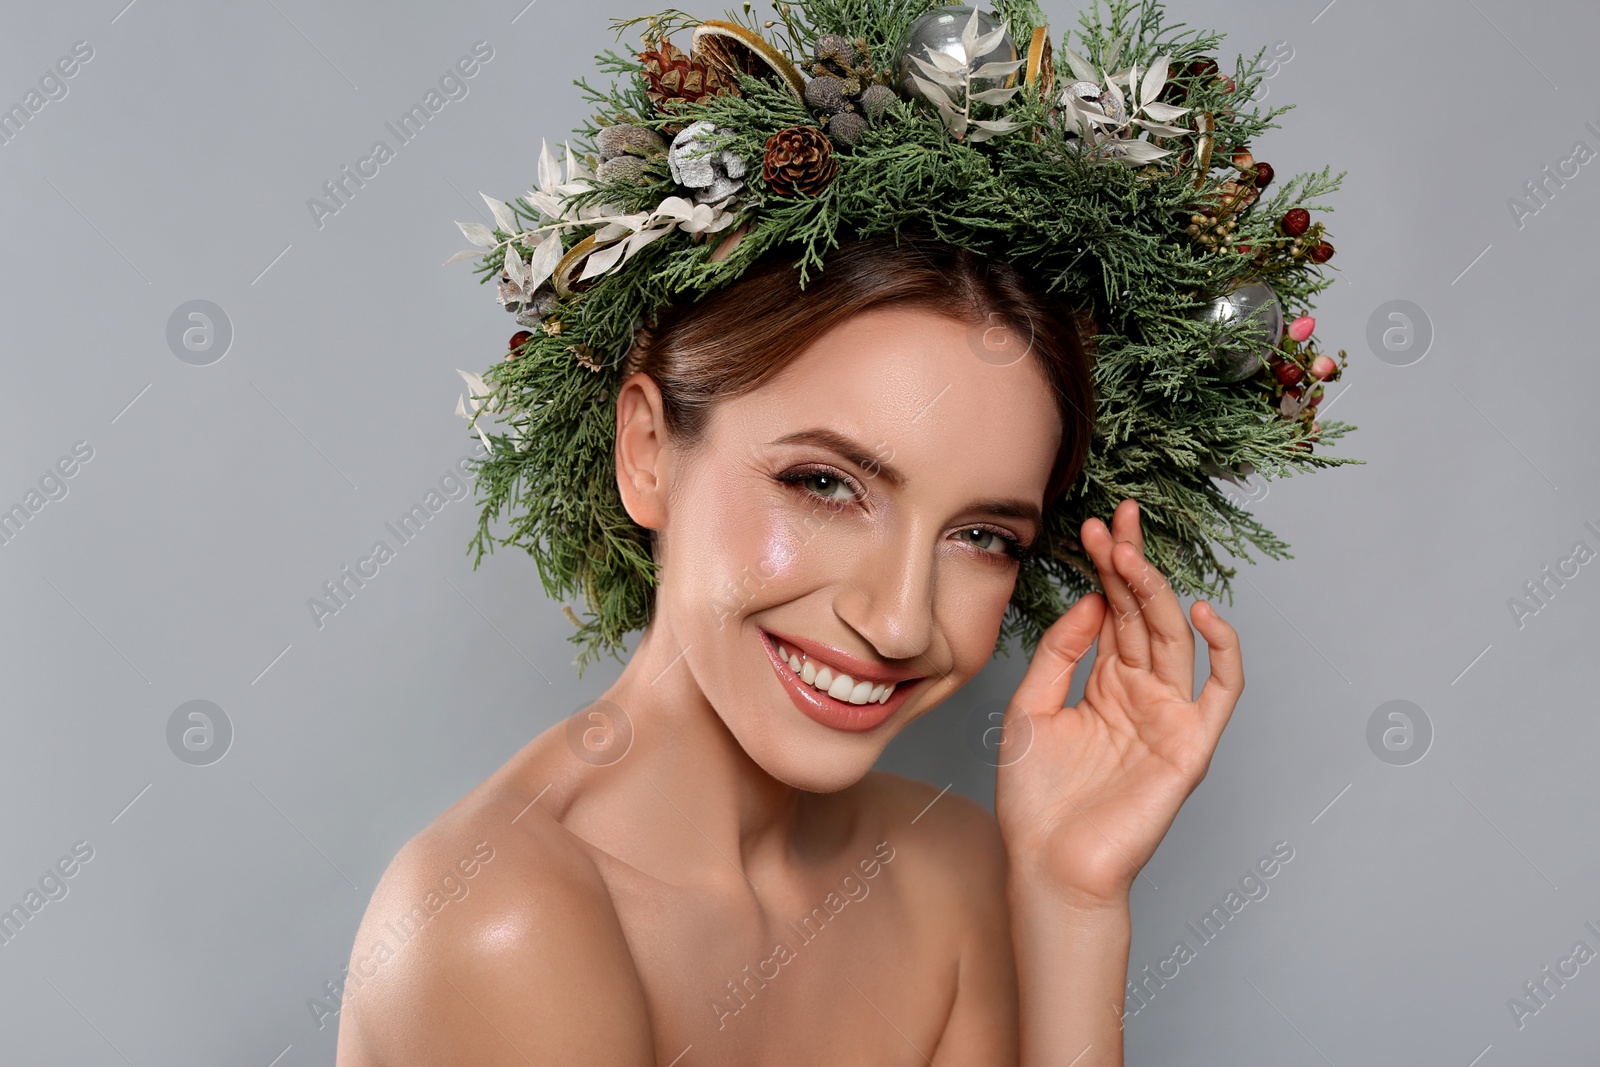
{"x":685,"y":804}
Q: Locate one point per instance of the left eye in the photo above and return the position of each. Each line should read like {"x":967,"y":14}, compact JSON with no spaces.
{"x":998,"y":543}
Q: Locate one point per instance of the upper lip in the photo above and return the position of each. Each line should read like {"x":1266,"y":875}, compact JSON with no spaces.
{"x":857,"y":668}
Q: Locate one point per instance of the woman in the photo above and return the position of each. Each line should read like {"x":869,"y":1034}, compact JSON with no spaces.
{"x":839,"y":482}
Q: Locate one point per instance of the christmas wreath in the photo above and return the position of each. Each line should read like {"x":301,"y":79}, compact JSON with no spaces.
{"x":1119,"y":169}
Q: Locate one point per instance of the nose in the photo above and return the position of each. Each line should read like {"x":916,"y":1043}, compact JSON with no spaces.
{"x":887,"y":595}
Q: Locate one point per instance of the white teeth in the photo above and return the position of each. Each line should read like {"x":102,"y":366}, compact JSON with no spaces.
{"x":839,"y":686}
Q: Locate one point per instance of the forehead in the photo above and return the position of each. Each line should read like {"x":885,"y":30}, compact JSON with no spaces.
{"x":924,"y":387}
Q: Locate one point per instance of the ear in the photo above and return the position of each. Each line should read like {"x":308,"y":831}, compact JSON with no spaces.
{"x":642,"y":452}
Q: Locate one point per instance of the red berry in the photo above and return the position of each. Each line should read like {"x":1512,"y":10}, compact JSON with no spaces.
{"x":1316,"y":398}
{"x":1205,"y":67}
{"x":1244,"y":250}
{"x":1296,"y":221}
{"x":1264,"y":175}
{"x":1322,"y":253}
{"x":1288,"y":373}
{"x":520,"y":338}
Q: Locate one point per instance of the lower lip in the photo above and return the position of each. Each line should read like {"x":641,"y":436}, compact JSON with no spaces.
{"x":829,"y":711}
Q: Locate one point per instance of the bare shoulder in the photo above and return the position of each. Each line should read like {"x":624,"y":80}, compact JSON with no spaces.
{"x":955,"y":855}
{"x":492,"y":939}
{"x":943,"y":829}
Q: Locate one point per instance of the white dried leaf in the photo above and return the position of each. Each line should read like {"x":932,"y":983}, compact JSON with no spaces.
{"x":1162,"y":129}
{"x":515,"y":269}
{"x":549,"y":170}
{"x":545,"y":260}
{"x":644,"y":237}
{"x":503,"y":216}
{"x":969,"y":36}
{"x":933,"y":92}
{"x":1081,"y":68}
{"x":599,"y":262}
{"x":1116,"y":93}
{"x":471,"y":253}
{"x":995,"y":96}
{"x":944,"y":61}
{"x":478,"y":234}
{"x":997,"y":125}
{"x":1154,"y":80}
{"x":1140,"y":152}
{"x":1112,"y":54}
{"x":1164,"y":112}
{"x":988,"y":42}
{"x":999,"y":69}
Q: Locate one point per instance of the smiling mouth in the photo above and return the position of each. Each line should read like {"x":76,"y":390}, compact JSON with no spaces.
{"x":835,"y":683}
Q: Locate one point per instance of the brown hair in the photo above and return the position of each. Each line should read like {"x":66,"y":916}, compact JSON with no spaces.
{"x":739,"y":336}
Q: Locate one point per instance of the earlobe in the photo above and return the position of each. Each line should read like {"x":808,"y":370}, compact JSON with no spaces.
{"x":641,"y":451}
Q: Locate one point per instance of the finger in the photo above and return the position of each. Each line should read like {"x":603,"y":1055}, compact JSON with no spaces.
{"x":1171,"y":639}
{"x":1048,"y":679}
{"x":1222,"y":689}
{"x":1132,"y":639}
{"x":1125,"y":523}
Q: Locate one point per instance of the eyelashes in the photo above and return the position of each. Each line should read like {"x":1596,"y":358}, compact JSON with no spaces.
{"x":796,"y":478}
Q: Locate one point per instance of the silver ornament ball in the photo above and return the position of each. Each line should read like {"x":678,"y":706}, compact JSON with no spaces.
{"x":1255,"y":301}
{"x":940,"y":30}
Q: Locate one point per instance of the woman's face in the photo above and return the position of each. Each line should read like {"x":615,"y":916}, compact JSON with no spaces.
{"x":858,"y":511}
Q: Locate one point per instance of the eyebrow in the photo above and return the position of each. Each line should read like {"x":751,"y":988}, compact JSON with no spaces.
{"x":850,"y":449}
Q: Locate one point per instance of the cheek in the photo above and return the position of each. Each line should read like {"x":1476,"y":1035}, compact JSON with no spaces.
{"x":972,"y":613}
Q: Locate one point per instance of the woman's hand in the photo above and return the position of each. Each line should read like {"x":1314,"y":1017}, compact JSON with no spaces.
{"x":1085,"y":794}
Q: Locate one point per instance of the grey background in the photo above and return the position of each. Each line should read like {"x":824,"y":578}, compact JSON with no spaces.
{"x":219,"y":498}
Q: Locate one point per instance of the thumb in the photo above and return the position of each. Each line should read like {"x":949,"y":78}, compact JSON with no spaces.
{"x":1048,"y":680}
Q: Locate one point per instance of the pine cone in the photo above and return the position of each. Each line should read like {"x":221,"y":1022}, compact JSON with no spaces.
{"x":799,"y":160}
{"x":671,"y":75}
